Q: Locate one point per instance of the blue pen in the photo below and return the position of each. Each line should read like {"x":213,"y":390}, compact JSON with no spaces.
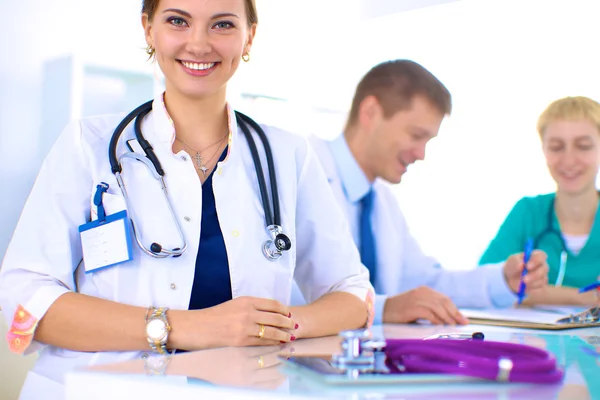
{"x":590,"y":287}
{"x":526,"y":256}
{"x":589,"y":351}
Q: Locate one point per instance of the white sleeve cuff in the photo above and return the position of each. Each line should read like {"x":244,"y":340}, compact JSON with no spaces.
{"x":38,"y":305}
{"x":380,"y":300}
{"x":500,"y":293}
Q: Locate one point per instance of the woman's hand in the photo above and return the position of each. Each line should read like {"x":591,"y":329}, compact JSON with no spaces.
{"x":243,"y":321}
{"x":248,"y":367}
{"x":590,"y":298}
{"x":537,"y":272}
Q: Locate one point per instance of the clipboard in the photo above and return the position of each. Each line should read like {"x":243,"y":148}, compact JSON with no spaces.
{"x":531,"y":318}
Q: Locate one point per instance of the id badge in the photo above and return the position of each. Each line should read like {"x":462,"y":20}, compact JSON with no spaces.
{"x":106,"y":242}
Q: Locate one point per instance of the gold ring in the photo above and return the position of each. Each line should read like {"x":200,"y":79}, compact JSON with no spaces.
{"x":261,"y":362}
{"x":262,"y":331}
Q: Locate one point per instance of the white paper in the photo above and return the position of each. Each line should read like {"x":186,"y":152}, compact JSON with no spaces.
{"x":105,"y":245}
{"x":515,"y":314}
{"x":563,"y":311}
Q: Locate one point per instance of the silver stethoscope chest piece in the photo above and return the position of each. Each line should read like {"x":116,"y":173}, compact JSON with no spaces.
{"x":360,"y":353}
{"x":273,"y":248}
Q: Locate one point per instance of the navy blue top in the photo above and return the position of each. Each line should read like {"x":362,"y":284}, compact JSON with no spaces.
{"x":212,"y":283}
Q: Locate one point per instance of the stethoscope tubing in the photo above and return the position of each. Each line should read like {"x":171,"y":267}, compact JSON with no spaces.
{"x":473,"y":358}
{"x":262,"y":183}
{"x":270,"y":166}
{"x":151,"y":161}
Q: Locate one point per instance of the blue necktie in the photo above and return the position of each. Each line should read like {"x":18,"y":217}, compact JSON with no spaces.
{"x":368,"y":255}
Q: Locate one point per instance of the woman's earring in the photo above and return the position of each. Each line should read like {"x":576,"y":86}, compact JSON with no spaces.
{"x":150,"y":51}
{"x":246,"y":57}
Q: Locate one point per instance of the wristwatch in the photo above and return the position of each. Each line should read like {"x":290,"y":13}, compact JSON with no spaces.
{"x":157,"y":329}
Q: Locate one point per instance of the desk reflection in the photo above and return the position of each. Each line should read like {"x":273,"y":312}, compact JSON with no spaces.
{"x":260,"y":368}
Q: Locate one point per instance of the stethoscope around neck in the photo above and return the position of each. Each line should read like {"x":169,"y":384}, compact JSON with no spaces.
{"x":272,"y":248}
{"x":551,"y":230}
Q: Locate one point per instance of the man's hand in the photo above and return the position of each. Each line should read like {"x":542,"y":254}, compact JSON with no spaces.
{"x":537,"y":271}
{"x":422,"y":303}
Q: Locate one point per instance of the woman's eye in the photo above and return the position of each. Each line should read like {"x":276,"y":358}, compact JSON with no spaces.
{"x":223,"y":25}
{"x":177,"y":21}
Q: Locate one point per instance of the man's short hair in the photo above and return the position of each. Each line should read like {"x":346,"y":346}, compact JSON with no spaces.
{"x":395,"y":83}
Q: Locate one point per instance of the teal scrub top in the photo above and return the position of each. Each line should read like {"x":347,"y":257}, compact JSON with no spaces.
{"x":534,"y":217}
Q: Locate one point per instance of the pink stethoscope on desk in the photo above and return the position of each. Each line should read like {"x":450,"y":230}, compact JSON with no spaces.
{"x":474,"y":357}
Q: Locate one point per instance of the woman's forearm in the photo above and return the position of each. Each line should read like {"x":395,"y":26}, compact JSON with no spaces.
{"x":329,"y":315}
{"x":558,"y":295}
{"x":84,"y":323}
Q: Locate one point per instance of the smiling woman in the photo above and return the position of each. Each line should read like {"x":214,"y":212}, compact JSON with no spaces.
{"x":90,"y":303}
{"x":200,"y":45}
{"x":565,"y":224}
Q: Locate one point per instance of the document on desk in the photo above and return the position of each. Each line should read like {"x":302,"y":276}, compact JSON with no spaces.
{"x":532,"y":318}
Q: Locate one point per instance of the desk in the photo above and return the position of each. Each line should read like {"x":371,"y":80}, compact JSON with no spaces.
{"x":257,"y":373}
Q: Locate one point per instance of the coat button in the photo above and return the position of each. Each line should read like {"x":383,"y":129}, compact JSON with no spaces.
{"x":187,"y":219}
{"x":184,"y":158}
{"x":173,"y":286}
{"x":235,"y":233}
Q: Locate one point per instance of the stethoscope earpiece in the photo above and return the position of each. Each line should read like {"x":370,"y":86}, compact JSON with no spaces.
{"x":158,"y":251}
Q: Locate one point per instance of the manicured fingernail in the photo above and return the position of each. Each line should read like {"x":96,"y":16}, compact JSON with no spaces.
{"x":282,"y":342}
{"x":296,"y":326}
{"x":290,"y":315}
{"x":293,"y":338}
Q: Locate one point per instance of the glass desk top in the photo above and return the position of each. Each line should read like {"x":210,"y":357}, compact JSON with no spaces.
{"x":260,"y":372}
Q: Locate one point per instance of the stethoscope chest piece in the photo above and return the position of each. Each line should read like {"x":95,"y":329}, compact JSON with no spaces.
{"x":273,"y":248}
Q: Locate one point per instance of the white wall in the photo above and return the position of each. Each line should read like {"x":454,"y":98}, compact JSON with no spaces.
{"x":378,"y":8}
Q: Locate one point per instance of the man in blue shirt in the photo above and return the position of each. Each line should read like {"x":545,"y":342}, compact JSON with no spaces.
{"x":397,"y":108}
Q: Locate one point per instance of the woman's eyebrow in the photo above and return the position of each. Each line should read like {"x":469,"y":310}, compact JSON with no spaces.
{"x":225,"y":14}
{"x":188,"y":15}
{"x":178,"y":11}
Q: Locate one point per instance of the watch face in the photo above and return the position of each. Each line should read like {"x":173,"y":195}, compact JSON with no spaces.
{"x":156,"y":329}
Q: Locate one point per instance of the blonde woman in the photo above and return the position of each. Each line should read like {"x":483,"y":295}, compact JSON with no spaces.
{"x":564,"y":224}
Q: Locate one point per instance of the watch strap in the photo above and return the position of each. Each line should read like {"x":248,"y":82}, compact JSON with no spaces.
{"x":158,"y":346}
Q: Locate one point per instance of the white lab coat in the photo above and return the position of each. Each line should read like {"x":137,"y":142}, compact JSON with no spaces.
{"x":41,"y":260}
{"x":401,"y":265}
